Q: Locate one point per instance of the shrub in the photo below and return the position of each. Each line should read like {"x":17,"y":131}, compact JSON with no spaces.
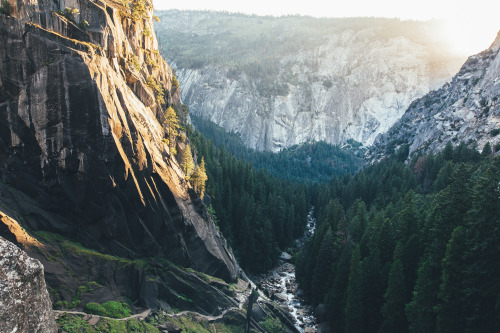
{"x":158,"y":89}
{"x":5,"y":7}
{"x":70,"y":323}
{"x":84,"y":24}
{"x":138,"y":8}
{"x":495,"y":132}
{"x":135,"y":62}
{"x":70,"y":13}
{"x":175,"y":82}
{"x":111,"y":309}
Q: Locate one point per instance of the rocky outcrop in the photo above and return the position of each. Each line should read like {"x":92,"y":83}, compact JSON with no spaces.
{"x":345,"y":80}
{"x":81,"y":112}
{"x":465,"y":110}
{"x":24,"y":299}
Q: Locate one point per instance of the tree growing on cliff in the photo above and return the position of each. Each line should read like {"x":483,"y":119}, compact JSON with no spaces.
{"x":172,"y":127}
{"x":187,"y":162}
{"x":199,"y":178}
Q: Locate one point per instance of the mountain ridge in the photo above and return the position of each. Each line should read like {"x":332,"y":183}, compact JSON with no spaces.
{"x":464,"y":110}
{"x":300,"y":79}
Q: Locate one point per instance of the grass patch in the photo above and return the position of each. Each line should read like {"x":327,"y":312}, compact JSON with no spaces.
{"x":190,"y":325}
{"x":272,"y":325}
{"x":207,"y":278}
{"x":79,"y":249}
{"x":221,"y":328}
{"x":111,"y":309}
{"x":133,"y":325}
{"x":70,"y":323}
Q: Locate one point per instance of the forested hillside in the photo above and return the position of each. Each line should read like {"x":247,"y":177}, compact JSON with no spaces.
{"x":409,"y":247}
{"x":258,"y":214}
{"x":308,"y":162}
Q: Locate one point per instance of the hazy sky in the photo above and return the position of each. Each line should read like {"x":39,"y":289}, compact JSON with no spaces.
{"x":472,"y":24}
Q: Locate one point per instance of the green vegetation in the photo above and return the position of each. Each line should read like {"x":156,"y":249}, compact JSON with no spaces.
{"x":75,"y":323}
{"x":257,"y":213}
{"x":199,"y":179}
{"x":135,"y":63}
{"x":139,"y":8}
{"x":89,"y":287}
{"x":77,"y":248}
{"x":408,"y":247}
{"x":261,"y":48}
{"x":271,"y":324}
{"x":308,"y":162}
{"x":5,"y":7}
{"x":187,"y":164}
{"x":111,"y":326}
{"x":70,"y":323}
{"x":175,"y":82}
{"x":157,"y":88}
{"x":111,"y":309}
{"x":172,"y":128}
{"x":70,"y":13}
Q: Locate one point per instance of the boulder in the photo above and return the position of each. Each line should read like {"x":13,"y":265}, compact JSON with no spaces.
{"x":24,"y":300}
{"x":320,"y":313}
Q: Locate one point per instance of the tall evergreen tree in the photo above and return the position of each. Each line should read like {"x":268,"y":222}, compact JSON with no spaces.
{"x":373,"y":291}
{"x":337,"y":296}
{"x":199,"y":178}
{"x":394,"y":320}
{"x":172,"y":127}
{"x":451,"y":317}
{"x":187,"y":164}
{"x":420,"y":311}
{"x":354,"y":311}
{"x":322,"y":269}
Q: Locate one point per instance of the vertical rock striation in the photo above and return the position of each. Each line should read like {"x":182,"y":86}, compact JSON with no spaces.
{"x":82,"y":95}
{"x":467,"y":109}
{"x":24,"y":299}
{"x":343,"y":79}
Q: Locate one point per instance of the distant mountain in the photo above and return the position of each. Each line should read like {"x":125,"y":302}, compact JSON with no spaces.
{"x":283,"y":81}
{"x":465,"y":110}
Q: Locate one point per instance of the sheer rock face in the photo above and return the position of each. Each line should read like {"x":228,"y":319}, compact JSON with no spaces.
{"x":465,"y":110}
{"x":81,"y":135}
{"x":355,"y":85}
{"x":24,"y":299}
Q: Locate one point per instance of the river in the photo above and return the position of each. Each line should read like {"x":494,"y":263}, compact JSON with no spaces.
{"x":280,"y":285}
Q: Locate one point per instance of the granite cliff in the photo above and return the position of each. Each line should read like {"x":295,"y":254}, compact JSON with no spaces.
{"x":284,"y":81}
{"x":467,"y":109}
{"x":24,"y":300}
{"x":83,"y":167}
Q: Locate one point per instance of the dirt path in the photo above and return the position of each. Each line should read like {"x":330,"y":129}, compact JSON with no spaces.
{"x":140,"y":316}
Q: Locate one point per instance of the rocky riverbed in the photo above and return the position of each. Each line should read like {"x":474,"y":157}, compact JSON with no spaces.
{"x":280,"y":285}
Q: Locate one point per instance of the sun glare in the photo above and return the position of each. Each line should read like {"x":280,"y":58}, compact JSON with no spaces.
{"x":468,"y":36}
{"x":470,"y":27}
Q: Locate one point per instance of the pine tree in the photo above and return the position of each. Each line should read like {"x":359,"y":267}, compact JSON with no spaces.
{"x":354,"y":311}
{"x":187,"y":162}
{"x":172,"y":125}
{"x":337,"y":296}
{"x":420,"y":311}
{"x":322,"y":269}
{"x":373,"y":292}
{"x":393,"y":310}
{"x":451,"y":317}
{"x":199,"y":178}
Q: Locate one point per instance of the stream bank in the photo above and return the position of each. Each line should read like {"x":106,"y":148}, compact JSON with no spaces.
{"x":280,"y":285}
